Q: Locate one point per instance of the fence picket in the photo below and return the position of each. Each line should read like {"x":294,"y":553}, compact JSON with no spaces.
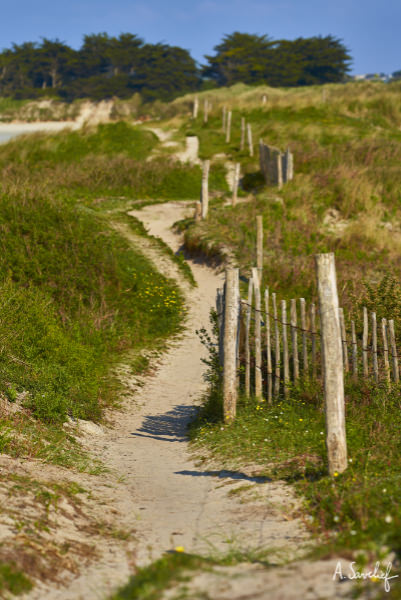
{"x":276,"y":347}
{"x":286,"y":362}
{"x":294,"y":338}
{"x":354,"y":351}
{"x":269,"y":383}
{"x":385,"y":351}
{"x":247,"y":340}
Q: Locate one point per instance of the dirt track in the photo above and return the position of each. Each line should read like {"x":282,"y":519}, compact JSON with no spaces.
{"x":165,"y":496}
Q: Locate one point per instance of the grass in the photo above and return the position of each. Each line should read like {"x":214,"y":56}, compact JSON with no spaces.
{"x":12,"y":580}
{"x":357,"y":509}
{"x":74,"y":294}
{"x":344,"y":199}
{"x":174,"y":568}
{"x":92,"y":165}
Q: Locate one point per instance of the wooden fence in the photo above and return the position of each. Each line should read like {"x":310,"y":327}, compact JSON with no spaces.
{"x":290,"y":334}
{"x":266,"y":346}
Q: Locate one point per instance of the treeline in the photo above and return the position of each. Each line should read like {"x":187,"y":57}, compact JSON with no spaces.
{"x":107,"y":66}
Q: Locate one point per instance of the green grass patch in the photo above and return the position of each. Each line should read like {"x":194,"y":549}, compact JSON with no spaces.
{"x":13,"y":581}
{"x":74,"y":296}
{"x":108,"y":139}
{"x":356,"y":509}
{"x":175,"y":567}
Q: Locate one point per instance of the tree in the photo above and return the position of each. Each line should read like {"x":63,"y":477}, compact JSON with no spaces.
{"x":254,"y":59}
{"x":324,"y":59}
{"x":165,"y":71}
{"x":57,"y":62}
{"x":241,"y":57}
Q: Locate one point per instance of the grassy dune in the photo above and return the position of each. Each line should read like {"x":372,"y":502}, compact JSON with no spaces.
{"x":74,"y":295}
{"x":345,"y":198}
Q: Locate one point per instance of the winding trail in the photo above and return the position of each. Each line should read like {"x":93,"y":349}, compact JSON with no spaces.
{"x":181,"y":504}
{"x":166,"y":495}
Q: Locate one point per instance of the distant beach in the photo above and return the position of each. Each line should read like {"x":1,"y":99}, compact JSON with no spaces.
{"x":12,"y":130}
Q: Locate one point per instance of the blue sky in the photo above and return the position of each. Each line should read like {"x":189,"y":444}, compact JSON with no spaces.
{"x":369,"y":28}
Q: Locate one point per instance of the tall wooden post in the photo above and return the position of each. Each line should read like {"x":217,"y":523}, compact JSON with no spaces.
{"x":259,"y":245}
{"x":248,"y":315}
{"x":236,"y":183}
{"x":279,"y":171}
{"x":198,"y":211}
{"x":313,"y":336}
{"x":394,"y":357}
{"x":294,"y":338}
{"x":365,"y":343}
{"x":374,"y":348}
{"x":230,"y":344}
{"x":276,"y":347}
{"x":343,"y":339}
{"x":286,"y":361}
{"x":205,"y":111}
{"x":332,"y":359}
{"x":268,"y":349}
{"x":385,"y":351}
{"x":258,"y":336}
{"x":242,"y":143}
{"x":228,"y":130}
{"x":304,"y":339}
{"x":354,"y":352}
{"x":250,"y":142}
{"x":220,"y":302}
{"x":195,"y":108}
{"x":205,"y":188}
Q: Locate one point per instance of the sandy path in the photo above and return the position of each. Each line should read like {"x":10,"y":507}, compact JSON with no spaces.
{"x":169,"y":499}
{"x":179,"y":503}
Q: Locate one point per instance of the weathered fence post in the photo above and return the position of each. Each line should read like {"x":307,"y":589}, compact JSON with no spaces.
{"x":247,"y":340}
{"x":365,"y":343}
{"x":205,"y":111}
{"x":396,"y":373}
{"x":276,"y":347}
{"x":279,"y":170}
{"x":286,"y":361}
{"x":228,"y":130}
{"x":374,"y":348}
{"x":343,"y":339}
{"x":195,"y":108}
{"x":205,"y":188}
{"x":354,"y":351}
{"x":230,"y":343}
{"x":258,"y":336}
{"x":259,"y":246}
{"x":236,"y":183}
{"x":313,"y":336}
{"x":289,"y":166}
{"x":264,"y":99}
{"x":220,"y":302}
{"x":333,"y":375}
{"x":250,"y":142}
{"x":198,"y":211}
{"x":304,"y":340}
{"x":385,"y":350}
{"x":294,"y":338}
{"x":268,"y":349}
{"x":242,"y":143}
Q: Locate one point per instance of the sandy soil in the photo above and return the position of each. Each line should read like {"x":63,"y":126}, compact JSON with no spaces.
{"x":157,"y":488}
{"x":90,"y":113}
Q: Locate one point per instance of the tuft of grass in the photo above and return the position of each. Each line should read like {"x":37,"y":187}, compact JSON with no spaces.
{"x":13,"y":581}
{"x":175,"y":567}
